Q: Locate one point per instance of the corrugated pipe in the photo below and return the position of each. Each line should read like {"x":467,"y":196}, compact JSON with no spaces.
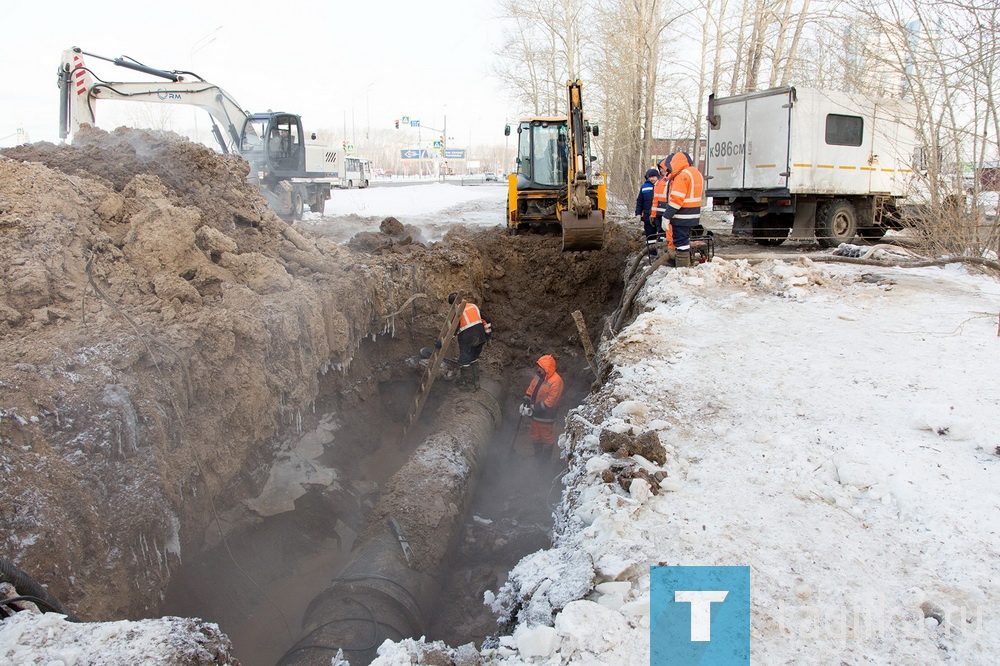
{"x":30,"y":590}
{"x":390,"y":585}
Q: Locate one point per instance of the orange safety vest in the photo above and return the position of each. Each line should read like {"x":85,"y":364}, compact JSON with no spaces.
{"x":470,"y":317}
{"x":660,"y":196}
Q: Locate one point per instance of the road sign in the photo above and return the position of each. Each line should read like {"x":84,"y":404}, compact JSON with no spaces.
{"x":454,"y":153}
{"x":414,"y":123}
{"x":405,"y":120}
{"x":412,"y":154}
{"x":437,"y":144}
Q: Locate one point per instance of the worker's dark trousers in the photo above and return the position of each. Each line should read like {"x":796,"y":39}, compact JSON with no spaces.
{"x":653,"y":235}
{"x":682,"y":233}
{"x":470,"y":344}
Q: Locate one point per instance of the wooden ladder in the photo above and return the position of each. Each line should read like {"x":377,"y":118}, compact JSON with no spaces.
{"x":446,"y":338}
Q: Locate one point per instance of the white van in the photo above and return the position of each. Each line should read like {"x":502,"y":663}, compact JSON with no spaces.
{"x":800,"y":163}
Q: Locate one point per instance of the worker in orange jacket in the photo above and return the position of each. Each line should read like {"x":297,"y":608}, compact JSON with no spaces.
{"x":681,"y":208}
{"x":661,"y":194}
{"x":473,"y":333}
{"x":541,"y":402}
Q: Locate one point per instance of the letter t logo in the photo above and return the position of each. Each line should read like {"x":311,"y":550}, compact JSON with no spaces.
{"x":701,"y":610}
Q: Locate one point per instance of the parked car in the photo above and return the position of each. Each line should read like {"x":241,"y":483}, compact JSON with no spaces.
{"x":490,"y":175}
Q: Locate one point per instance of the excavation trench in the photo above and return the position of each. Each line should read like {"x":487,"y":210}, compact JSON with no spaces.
{"x":465,"y":489}
{"x":332,"y":573}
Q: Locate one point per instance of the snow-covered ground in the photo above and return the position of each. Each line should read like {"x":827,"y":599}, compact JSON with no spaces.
{"x":431,"y":207}
{"x":833,"y":427}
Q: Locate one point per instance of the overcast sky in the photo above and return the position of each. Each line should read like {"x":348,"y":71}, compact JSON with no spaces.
{"x":340,"y":65}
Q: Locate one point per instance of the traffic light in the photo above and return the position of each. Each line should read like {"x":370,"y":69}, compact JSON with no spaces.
{"x":397,"y":124}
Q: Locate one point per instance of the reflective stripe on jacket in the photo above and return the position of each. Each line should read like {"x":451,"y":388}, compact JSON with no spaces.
{"x":659,"y":197}
{"x":686,"y":188}
{"x":644,"y":200}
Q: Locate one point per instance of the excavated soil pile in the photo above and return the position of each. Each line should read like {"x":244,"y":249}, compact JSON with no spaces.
{"x":161,"y":329}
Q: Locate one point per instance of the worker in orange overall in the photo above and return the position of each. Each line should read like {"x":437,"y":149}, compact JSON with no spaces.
{"x":681,"y":209}
{"x":541,"y":401}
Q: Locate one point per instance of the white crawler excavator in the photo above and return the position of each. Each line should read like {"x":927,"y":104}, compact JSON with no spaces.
{"x":291,"y":170}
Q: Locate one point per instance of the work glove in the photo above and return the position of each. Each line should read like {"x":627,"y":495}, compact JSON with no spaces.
{"x":437,"y":344}
{"x":526,"y":400}
{"x":525,"y":410}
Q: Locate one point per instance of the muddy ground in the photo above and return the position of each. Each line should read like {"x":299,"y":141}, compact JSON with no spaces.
{"x":163,"y":333}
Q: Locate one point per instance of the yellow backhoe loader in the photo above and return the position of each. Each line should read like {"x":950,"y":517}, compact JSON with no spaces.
{"x":554,"y":185}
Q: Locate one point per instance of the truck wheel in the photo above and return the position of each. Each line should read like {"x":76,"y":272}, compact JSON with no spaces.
{"x":769,"y":229}
{"x":836,"y":223}
{"x":296,"y":205}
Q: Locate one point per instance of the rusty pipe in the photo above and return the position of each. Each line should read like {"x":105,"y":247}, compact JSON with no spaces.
{"x":389,"y":586}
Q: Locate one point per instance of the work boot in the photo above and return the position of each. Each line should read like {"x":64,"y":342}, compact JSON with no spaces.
{"x":474,"y":379}
{"x":464,"y":377}
{"x":683,"y":259}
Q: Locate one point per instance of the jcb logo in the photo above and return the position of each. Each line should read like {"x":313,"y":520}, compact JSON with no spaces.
{"x":700,"y":615}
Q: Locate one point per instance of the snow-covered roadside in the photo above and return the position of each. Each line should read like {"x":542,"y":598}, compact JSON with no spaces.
{"x":430,"y":209}
{"x":833,"y":427}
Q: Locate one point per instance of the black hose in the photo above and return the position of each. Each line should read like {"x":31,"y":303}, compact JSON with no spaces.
{"x":41,"y":603}
{"x":26,"y":586}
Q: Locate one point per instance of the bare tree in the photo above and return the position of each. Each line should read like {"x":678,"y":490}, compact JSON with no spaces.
{"x":544,"y":48}
{"x":945,"y":55}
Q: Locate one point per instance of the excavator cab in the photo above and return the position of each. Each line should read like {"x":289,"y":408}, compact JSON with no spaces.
{"x":272,"y":143}
{"x":553,"y":185}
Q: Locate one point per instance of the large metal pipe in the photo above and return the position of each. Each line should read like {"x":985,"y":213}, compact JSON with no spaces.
{"x":390,"y":585}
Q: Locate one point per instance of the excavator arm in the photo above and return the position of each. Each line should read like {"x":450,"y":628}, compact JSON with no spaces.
{"x":583,"y":221}
{"x":80,"y":89}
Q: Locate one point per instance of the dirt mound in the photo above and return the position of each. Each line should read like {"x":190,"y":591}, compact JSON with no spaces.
{"x":165,"y":325}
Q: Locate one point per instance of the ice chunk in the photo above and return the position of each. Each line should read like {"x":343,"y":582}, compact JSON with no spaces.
{"x":630,"y":408}
{"x":536,"y":641}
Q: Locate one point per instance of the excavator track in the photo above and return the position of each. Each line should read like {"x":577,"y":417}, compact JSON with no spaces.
{"x":582,"y":233}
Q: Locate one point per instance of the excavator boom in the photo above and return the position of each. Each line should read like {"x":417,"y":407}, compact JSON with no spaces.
{"x":583,"y":220}
{"x":79,"y":93}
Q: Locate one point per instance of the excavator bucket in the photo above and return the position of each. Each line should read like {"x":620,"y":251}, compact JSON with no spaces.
{"x":582,"y":233}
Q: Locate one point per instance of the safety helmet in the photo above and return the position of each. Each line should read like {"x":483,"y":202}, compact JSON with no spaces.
{"x":650,"y":173}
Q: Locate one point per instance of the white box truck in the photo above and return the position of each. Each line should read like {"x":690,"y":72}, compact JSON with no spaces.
{"x":803,"y":164}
